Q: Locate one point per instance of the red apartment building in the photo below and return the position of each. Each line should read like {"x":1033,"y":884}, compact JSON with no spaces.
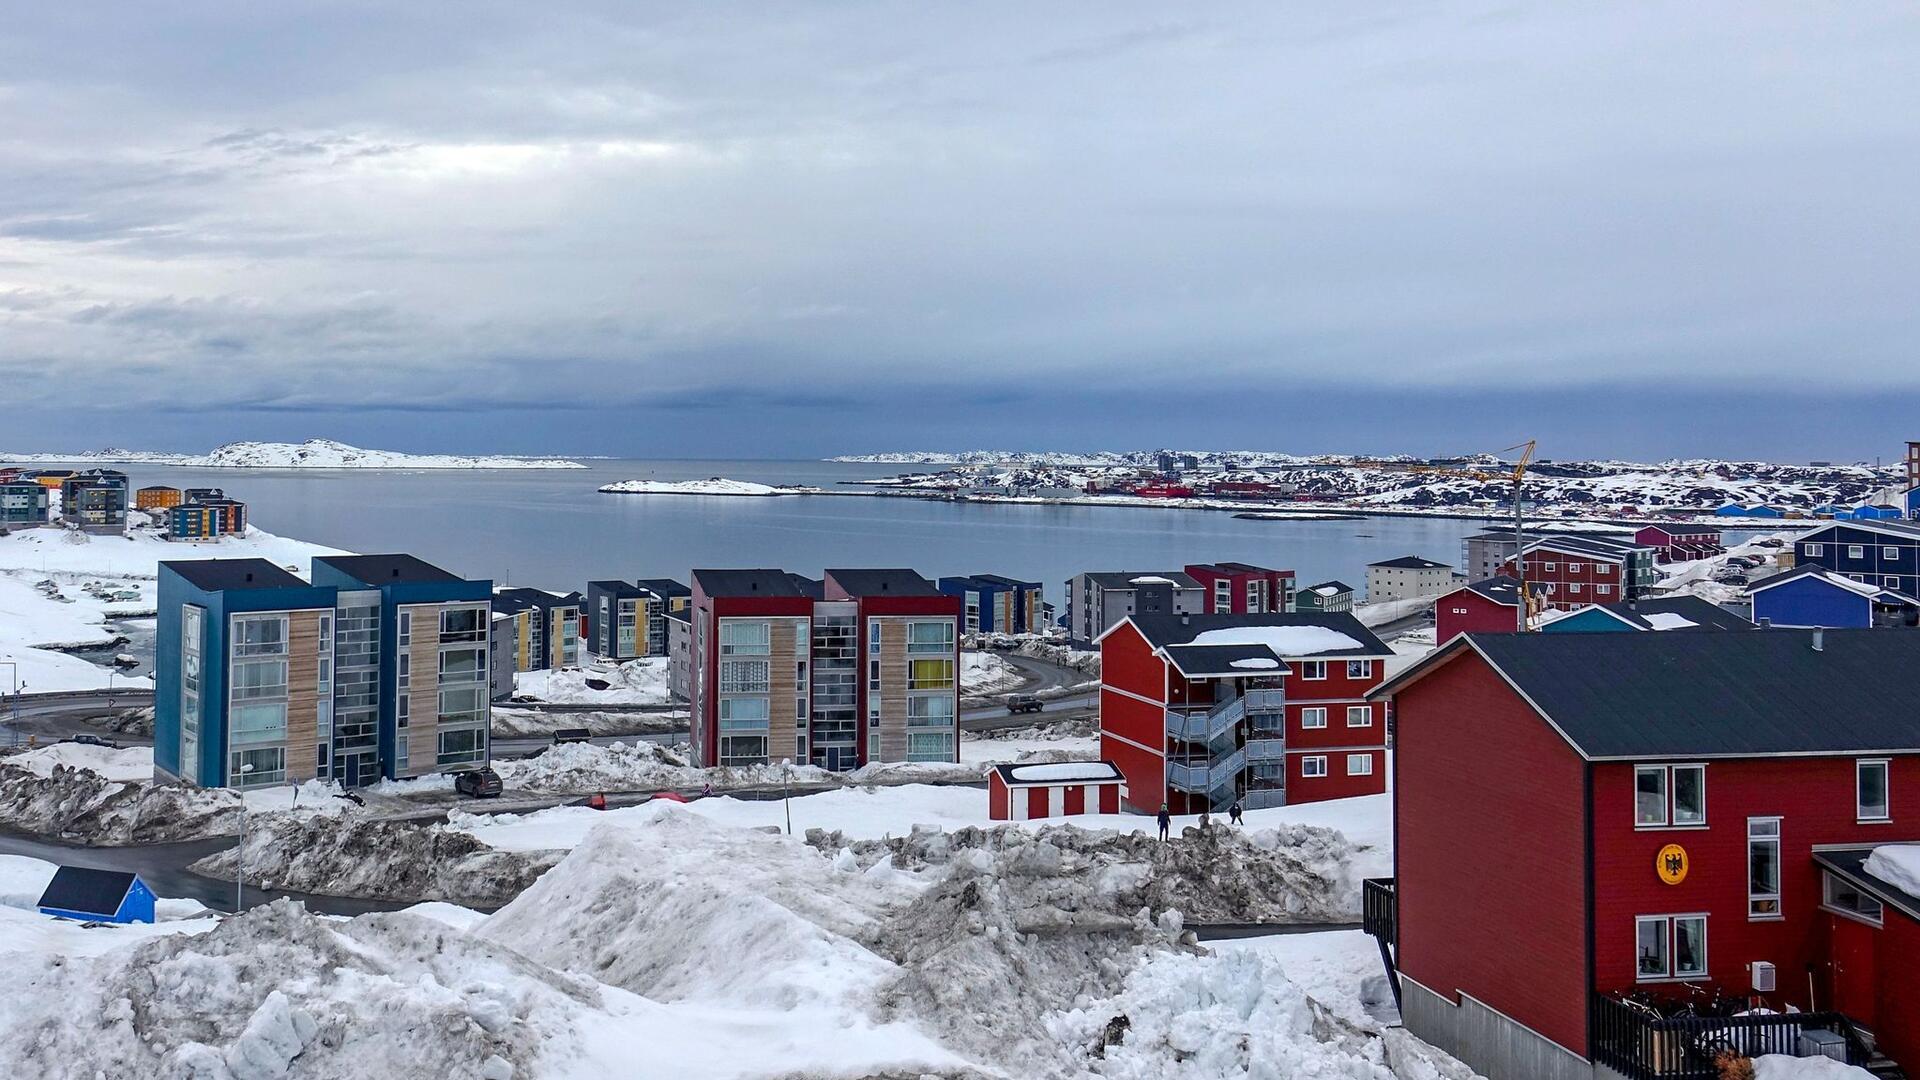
{"x":1271,"y":709}
{"x":1242,"y":588}
{"x":857,"y":667}
{"x":1483,"y":607}
{"x":1673,"y":542}
{"x":1574,"y":571}
{"x":1581,"y":816}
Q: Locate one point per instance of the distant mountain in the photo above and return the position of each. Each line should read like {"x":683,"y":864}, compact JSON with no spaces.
{"x":312,"y":454}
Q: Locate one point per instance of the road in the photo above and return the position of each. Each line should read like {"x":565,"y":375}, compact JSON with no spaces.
{"x":52,"y":717}
{"x":1045,"y":679}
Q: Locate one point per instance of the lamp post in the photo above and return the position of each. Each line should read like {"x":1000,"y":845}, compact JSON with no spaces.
{"x":240,"y":853}
{"x":13,"y":733}
{"x":786,"y":791}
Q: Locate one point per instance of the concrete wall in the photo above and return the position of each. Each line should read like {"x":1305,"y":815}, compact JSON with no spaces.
{"x":1495,"y":1046}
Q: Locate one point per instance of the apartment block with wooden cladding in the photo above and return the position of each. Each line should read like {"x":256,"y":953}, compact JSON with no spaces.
{"x":547,"y":626}
{"x":374,"y":668}
{"x":858,"y":666}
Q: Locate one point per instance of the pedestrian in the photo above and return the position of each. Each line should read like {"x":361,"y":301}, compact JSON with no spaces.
{"x":706,"y":789}
{"x":1233,"y":812}
{"x":1166,"y":820}
{"x":1204,"y":820}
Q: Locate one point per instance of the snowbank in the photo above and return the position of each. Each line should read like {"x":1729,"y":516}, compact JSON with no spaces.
{"x":632,"y":682}
{"x":1782,"y":1067}
{"x":86,"y":807}
{"x":583,"y":768}
{"x":1898,"y":865}
{"x":987,"y":673}
{"x":134,"y":763}
{"x":715,"y":486}
{"x":385,"y":860}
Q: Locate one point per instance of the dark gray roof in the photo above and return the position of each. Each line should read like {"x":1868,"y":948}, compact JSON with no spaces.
{"x":1906,"y":529}
{"x":1505,"y":589}
{"x":1195,"y":661}
{"x":1850,"y":864}
{"x":1704,"y":614}
{"x":1598,"y":547}
{"x":1163,"y":631}
{"x":512,"y":599}
{"x":1335,"y":585}
{"x":663,"y":586}
{"x":888,"y":582}
{"x":86,"y":890}
{"x":1765,"y":693}
{"x":617,"y":587}
{"x":748,"y":583}
{"x":996,"y":579}
{"x":1121,"y":579}
{"x":1411,"y":562}
{"x":386,"y":569}
{"x":219,"y":575}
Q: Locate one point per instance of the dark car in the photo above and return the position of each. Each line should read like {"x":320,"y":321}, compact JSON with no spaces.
{"x":94,"y":740}
{"x":481,"y":783}
{"x":1019,"y":703}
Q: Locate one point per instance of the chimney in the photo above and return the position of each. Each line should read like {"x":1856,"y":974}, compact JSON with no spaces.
{"x":1819,"y":640}
{"x":1183,"y":620}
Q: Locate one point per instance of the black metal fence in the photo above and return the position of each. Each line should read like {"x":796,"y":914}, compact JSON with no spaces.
{"x":1379,"y":909}
{"x":1642,"y":1046}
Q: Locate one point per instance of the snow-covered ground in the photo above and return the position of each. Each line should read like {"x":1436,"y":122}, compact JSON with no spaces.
{"x":1057,"y":742}
{"x":134,"y":763}
{"x":987,"y":673}
{"x":312,"y":454}
{"x":629,"y":682}
{"x":716,"y":486}
{"x":65,"y":613}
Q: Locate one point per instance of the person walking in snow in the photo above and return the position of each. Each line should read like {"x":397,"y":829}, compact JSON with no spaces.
{"x":706,"y":790}
{"x":1166,"y":820}
{"x":1233,"y":813}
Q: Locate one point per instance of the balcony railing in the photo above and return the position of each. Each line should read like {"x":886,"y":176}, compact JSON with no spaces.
{"x":1635,"y":1041}
{"x":1263,"y":798}
{"x":1380,"y":909}
{"x":1266,"y":749}
{"x":1202,"y":778}
{"x":1204,"y":727}
{"x":1265,"y":701}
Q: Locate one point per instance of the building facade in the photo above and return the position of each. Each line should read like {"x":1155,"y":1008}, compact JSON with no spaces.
{"x":1673,"y":542}
{"x":157,"y":497}
{"x":206,"y":519}
{"x":1882,"y":553}
{"x":1201,"y":710}
{"x":992,"y":604}
{"x":546,"y":626}
{"x":1574,"y":571}
{"x":618,"y":613}
{"x":1327,"y":596}
{"x":1812,"y":595}
{"x":1484,"y":607}
{"x":1650,"y":812}
{"x":23,"y":503}
{"x":1237,"y":588}
{"x":1096,"y":601}
{"x":1407,"y":577}
{"x":95,"y":500}
{"x":860,"y":666}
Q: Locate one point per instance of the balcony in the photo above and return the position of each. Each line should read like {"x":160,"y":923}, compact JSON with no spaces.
{"x":1263,"y":798}
{"x":1266,"y":749}
{"x":1205,"y":727}
{"x":1634,"y":1038}
{"x":1265,"y":701}
{"x":1202,"y":778}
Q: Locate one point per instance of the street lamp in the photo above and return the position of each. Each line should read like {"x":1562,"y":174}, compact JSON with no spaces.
{"x":240,"y":853}
{"x":786,"y":791}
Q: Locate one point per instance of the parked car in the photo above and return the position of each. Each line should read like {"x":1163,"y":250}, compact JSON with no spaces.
{"x":93,"y":740}
{"x":481,"y":783}
{"x":572,"y":735}
{"x":1771,"y":541}
{"x":1024,"y":703}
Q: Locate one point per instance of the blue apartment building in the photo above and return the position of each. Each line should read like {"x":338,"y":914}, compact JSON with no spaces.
{"x":376,"y":668}
{"x":1880,"y":553}
{"x":23,"y":503}
{"x":997,"y":605}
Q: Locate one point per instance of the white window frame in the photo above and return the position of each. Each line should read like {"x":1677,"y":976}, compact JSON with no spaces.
{"x":1313,"y":718}
{"x":1888,"y":551}
{"x":1856,"y":551}
{"x":405,"y":634}
{"x":1765,"y":832}
{"x":1311,"y":763}
{"x":1671,"y":939}
{"x":1365,"y":667}
{"x":1359,"y":764}
{"x":1575,"y":568}
{"x":1603,"y":590}
{"x":1670,"y":818}
{"x":1814,"y":551}
{"x":1308,"y":668}
{"x":1365,"y":713}
{"x":1828,"y":881}
{"x":1886,"y":790}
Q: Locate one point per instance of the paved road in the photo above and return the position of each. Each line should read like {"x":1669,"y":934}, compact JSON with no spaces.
{"x":53,"y":717}
{"x":1044,"y":679}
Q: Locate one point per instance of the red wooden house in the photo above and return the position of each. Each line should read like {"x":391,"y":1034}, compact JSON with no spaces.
{"x":1574,"y":571}
{"x":1053,"y":789}
{"x":1242,"y":587}
{"x":1682,"y":816}
{"x":1270,"y":709}
{"x":1483,"y":607}
{"x":1675,"y":542}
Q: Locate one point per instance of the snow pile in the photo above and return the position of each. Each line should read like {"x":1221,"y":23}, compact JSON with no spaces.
{"x":1259,"y":662}
{"x":714,"y":486}
{"x":1181,"y":1015}
{"x":582,"y":768}
{"x":1898,"y":865}
{"x":1783,"y":1067}
{"x":22,"y":880}
{"x":81,"y":805}
{"x":512,"y":723}
{"x":1667,"y":620}
{"x":380,"y":859}
{"x":133,"y":763}
{"x":987,"y":673}
{"x":633,"y":682}
{"x":1091,"y":770}
{"x":1283,"y":640}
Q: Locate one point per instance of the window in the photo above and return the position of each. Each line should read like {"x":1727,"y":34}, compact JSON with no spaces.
{"x":406,"y":629}
{"x":1856,"y":551}
{"x":1549,"y":567}
{"x":1603,"y":590}
{"x":403,"y":710}
{"x":1359,"y":764}
{"x":463,"y":705}
{"x":463,"y":665}
{"x":873,"y":674}
{"x":1890,"y":553}
{"x":748,"y":714}
{"x":1360,"y":669}
{"x":743,"y":749}
{"x":1892,"y":581}
{"x":1576,"y":587}
{"x":1812,"y":551}
{"x":259,"y":635}
{"x":930,"y":636}
{"x":1841,"y":896}
{"x":258,"y":723}
{"x":929,"y":746}
{"x":744,"y":676}
{"x":461,"y":624}
{"x":404,"y":678}
{"x":1871,"y":801}
{"x":1359,"y":716}
{"x":1670,"y":946}
{"x":930,"y":674}
{"x":1222,"y":596}
{"x":1669,"y":795}
{"x":929,"y":710}
{"x":1763,"y":868}
{"x":1603,"y":569}
{"x":1315,"y":717}
{"x":873,"y":714}
{"x":1575,"y":568}
{"x":458,"y":747}
{"x":1313,"y":669}
{"x":1313,"y":766}
{"x":748,"y":638}
{"x":255,"y":680}
{"x":267,"y":765}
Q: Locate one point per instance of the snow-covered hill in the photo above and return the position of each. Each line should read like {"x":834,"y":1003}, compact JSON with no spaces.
{"x":312,"y":454}
{"x":716,"y":486}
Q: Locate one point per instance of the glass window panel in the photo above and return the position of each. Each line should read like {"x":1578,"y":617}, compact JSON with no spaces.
{"x":1873,"y":790}
{"x":1651,"y":948}
{"x":1650,"y":796}
{"x":1689,"y":794}
{"x":1690,"y":947}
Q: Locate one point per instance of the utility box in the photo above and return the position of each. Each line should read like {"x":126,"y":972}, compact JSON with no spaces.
{"x":1823,"y":1043}
{"x":1763,"y":977}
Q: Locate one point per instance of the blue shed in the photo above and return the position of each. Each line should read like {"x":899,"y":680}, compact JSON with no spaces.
{"x":1870,"y":512}
{"x":1657,"y":613}
{"x":89,"y":895}
{"x":1911,"y":502}
{"x":1809,"y":595}
{"x":1765,"y":512}
{"x":1731,"y":510}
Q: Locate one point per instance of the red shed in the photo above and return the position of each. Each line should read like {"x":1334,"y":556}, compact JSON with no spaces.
{"x":1682,"y":817}
{"x":1053,"y":789}
{"x":1484,"y":607}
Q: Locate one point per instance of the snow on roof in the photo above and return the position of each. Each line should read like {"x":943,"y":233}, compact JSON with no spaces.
{"x":1897,"y":865}
{"x":1152,"y":579}
{"x":1063,"y":770}
{"x":1667,"y":620}
{"x":1282,"y":640}
{"x":1326,"y":590}
{"x":1256,"y":662}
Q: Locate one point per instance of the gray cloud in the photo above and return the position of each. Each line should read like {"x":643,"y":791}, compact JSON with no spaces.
{"x":475,"y":207}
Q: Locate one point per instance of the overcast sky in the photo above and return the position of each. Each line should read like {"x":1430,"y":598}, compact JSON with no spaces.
{"x":789,"y":229}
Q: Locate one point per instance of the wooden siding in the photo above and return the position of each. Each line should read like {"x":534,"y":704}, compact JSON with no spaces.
{"x":893,"y":691}
{"x":787,"y":642}
{"x":303,"y":695}
{"x":423,"y":695}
